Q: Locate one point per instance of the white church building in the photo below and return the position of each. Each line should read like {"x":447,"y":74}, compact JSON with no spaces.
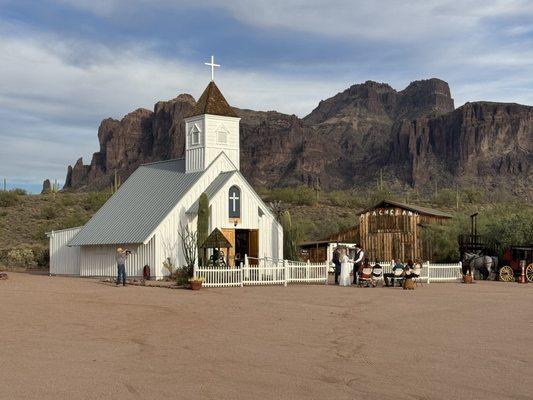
{"x":146,"y":213}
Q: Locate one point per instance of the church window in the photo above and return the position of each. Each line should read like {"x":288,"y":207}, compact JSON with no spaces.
{"x":194,"y":135}
{"x":222,"y":135}
{"x":234,"y":199}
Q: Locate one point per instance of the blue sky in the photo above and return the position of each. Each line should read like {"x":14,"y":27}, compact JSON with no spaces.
{"x":67,"y":64}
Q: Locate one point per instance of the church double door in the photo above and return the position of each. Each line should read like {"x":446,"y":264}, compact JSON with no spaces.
{"x":243,"y":242}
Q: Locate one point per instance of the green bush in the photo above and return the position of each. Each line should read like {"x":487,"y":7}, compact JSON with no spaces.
{"x":8,"y":199}
{"x":445,"y":198}
{"x":300,"y":195}
{"x":182,"y":275}
{"x":20,"y":257}
{"x":42,"y":257}
{"x":67,"y":199}
{"x":95,"y":200}
{"x":19,"y":192}
{"x":73,"y":221}
{"x":49,"y":212}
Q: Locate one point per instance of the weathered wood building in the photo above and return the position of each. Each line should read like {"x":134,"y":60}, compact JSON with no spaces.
{"x":322,"y":250}
{"x":393,"y":230}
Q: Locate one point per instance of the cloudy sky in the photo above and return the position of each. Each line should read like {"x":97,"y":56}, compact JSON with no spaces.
{"x":67,"y":64}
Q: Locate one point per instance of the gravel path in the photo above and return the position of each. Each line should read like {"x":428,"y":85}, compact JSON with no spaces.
{"x":71,"y":338}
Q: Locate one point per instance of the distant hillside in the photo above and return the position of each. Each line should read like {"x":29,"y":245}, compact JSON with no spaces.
{"x":413,"y":138}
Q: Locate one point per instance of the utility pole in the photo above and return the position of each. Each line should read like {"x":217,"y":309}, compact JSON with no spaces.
{"x":5,"y":185}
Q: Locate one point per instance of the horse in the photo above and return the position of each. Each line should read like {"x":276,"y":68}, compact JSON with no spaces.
{"x":484,"y":264}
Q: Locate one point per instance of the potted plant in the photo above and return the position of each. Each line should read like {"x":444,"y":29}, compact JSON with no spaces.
{"x":196,"y":283}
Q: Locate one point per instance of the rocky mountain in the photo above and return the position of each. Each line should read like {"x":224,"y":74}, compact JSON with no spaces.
{"x":413,"y":137}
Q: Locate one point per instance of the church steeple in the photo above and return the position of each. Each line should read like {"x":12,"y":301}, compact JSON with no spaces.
{"x":212,"y":102}
{"x":211,"y":128}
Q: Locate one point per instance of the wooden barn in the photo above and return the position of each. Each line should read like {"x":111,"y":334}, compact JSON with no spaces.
{"x":393,"y":230}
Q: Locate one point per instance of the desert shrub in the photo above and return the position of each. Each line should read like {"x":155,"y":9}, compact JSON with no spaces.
{"x":95,"y":200}
{"x":20,"y":257}
{"x":8,"y":199}
{"x":41,"y":256}
{"x":19,"y":192}
{"x":183,"y":274}
{"x":49,"y":212}
{"x":72,"y":221}
{"x":67,"y":199}
{"x":507,"y":225}
{"x":300,"y":195}
{"x":445,"y":198}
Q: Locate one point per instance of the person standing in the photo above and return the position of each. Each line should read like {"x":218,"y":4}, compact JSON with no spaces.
{"x":358,"y":257}
{"x":337,"y":263}
{"x":121,"y":257}
{"x":345,"y":269}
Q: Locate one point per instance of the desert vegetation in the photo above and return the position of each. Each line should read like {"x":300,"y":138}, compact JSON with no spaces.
{"x":312,"y":213}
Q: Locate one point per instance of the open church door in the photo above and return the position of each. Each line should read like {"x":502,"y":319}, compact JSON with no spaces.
{"x":230,"y":235}
{"x":253,"y":250}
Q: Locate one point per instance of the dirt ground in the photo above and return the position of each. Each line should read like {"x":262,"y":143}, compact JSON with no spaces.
{"x":71,"y":338}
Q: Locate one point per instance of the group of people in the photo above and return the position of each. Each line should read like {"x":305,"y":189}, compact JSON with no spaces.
{"x":347,"y":274}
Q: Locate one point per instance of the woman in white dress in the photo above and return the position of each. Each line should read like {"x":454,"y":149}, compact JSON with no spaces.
{"x":346,"y":268}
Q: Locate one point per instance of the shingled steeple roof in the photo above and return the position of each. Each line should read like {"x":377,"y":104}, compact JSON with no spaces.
{"x":213,"y":102}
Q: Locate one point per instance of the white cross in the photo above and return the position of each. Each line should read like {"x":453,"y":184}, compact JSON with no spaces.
{"x":212,"y":65}
{"x":234,"y":197}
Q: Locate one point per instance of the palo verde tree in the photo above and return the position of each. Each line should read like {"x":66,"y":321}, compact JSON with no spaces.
{"x":202,"y":225}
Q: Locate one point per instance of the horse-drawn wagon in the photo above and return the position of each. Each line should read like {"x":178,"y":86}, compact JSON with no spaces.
{"x":511,"y":268}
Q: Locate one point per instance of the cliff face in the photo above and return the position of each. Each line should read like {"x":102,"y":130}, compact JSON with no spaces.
{"x":488,"y":143}
{"x":414,"y":136}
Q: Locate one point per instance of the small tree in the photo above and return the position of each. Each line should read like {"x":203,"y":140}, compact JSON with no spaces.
{"x":202,"y":225}
{"x":189,"y":246}
{"x":290,"y":237}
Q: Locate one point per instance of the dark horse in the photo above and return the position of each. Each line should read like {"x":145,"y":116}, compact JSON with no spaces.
{"x":484,"y":264}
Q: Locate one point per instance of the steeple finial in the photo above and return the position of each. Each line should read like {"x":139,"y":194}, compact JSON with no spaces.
{"x":212,"y":65}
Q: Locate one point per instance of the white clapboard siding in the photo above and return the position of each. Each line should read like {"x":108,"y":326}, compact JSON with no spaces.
{"x":64,"y":260}
{"x":99,"y":261}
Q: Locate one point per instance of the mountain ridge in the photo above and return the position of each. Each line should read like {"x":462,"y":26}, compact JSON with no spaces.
{"x":414,"y":137}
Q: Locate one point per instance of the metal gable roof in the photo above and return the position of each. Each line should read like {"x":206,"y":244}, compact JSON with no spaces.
{"x":212,"y":189}
{"x":419,"y":209}
{"x":139,"y":206}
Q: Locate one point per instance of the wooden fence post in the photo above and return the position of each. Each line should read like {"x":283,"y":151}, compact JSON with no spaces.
{"x":285,"y":272}
{"x":308,"y":271}
{"x":429,"y":271}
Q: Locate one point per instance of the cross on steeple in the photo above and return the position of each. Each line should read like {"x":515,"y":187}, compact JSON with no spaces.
{"x":212,"y":65}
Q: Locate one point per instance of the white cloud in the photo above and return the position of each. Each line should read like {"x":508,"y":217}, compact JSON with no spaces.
{"x":389,"y":20}
{"x":51,"y":104}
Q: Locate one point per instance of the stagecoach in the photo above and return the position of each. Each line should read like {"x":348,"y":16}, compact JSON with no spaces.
{"x":511,"y":263}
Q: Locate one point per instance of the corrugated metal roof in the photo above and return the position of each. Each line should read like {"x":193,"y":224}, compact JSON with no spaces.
{"x":212,"y":189}
{"x":139,"y":206}
{"x":420,"y":209}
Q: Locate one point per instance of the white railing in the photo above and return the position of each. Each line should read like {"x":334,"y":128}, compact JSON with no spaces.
{"x":268,"y":271}
{"x":432,"y":272}
{"x":263,"y":271}
{"x":306,"y":272}
{"x":219,"y":277}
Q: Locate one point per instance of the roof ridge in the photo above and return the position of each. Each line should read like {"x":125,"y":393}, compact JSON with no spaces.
{"x":162,"y":161}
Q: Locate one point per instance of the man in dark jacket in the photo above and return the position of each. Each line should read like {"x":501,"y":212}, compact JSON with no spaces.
{"x":337,"y":262}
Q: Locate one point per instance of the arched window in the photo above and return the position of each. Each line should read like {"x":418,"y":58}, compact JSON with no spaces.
{"x":234,"y":202}
{"x":194,"y":135}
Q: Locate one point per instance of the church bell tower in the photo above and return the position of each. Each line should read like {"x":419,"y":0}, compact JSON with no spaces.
{"x":212,"y":128}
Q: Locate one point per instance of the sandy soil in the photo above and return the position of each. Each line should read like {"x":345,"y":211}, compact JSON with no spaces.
{"x":68,"y":338}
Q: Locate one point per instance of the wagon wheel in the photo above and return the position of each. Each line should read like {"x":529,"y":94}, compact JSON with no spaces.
{"x":529,"y":272}
{"x":507,"y":274}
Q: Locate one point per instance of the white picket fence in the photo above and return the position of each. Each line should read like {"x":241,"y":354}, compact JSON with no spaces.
{"x":264,"y":271}
{"x":431,"y":272}
{"x":268,"y":271}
